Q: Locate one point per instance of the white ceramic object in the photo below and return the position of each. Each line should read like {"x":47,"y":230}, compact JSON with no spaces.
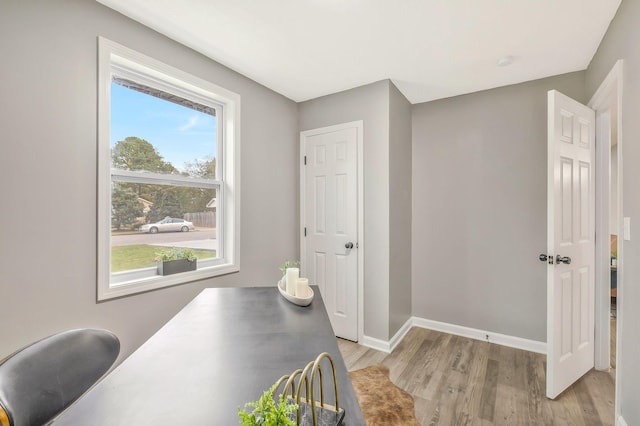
{"x":291,"y":278}
{"x":300,"y":301}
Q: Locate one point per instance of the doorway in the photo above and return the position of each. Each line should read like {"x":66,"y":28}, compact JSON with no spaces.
{"x":607,"y":102}
{"x":563,"y":289}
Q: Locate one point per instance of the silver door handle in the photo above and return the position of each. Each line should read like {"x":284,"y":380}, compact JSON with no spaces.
{"x":546,"y":258}
{"x":349,"y":245}
{"x":566,"y":260}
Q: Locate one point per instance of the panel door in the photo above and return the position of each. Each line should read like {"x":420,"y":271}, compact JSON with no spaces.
{"x":571,"y":242}
{"x":331,"y":223}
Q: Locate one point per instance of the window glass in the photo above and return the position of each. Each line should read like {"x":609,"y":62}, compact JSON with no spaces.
{"x":135,"y":246}
{"x":155,"y":135}
{"x":152,"y":134}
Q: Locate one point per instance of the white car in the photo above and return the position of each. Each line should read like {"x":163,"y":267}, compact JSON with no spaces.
{"x":168,"y":224}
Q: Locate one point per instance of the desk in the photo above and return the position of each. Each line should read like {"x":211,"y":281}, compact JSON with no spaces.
{"x":223,"y":349}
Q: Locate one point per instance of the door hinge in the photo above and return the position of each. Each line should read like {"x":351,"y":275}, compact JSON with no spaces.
{"x":305,"y":231}
{"x":305,"y":160}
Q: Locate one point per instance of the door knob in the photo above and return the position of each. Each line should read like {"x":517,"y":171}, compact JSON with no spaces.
{"x":546,"y":258}
{"x":349,"y":245}
{"x":566,"y":260}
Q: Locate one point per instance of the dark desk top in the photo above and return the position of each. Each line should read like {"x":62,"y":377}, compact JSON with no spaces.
{"x":222,"y":350}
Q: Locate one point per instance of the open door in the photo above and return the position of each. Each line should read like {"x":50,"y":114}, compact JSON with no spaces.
{"x":570,"y":242}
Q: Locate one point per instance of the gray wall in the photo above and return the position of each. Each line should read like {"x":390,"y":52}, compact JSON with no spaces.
{"x":399,"y":210}
{"x":369,"y":103}
{"x":621,"y":42}
{"x":48,"y":173}
{"x":479,"y":207}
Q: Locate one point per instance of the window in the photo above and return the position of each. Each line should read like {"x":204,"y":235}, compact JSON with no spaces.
{"x":168,"y":172}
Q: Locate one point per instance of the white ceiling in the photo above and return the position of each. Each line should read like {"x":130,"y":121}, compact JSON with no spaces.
{"x":430,"y":49}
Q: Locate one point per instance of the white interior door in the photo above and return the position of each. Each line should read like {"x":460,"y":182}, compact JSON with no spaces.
{"x":330,"y":221}
{"x":570,"y":242}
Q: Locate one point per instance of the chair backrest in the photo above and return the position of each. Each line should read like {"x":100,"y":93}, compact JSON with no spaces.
{"x":40,"y":380}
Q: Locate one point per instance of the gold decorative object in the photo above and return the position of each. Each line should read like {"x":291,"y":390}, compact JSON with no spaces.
{"x":321,"y":412}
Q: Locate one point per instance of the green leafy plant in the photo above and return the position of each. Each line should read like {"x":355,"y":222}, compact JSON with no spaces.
{"x":289,"y":264}
{"x":266,"y":412}
{"x":175,"y":253}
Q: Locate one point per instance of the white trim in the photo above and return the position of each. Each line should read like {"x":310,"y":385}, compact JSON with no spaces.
{"x":114,"y":58}
{"x":359,"y":126}
{"x":610,"y":93}
{"x":139,"y":176}
{"x":154,"y":282}
{"x":397,"y":338}
{"x":621,"y":421}
{"x":388,"y":346}
{"x":374,"y":343}
{"x":458,"y":330}
{"x":152,"y":69}
{"x":602,"y":289}
{"x":612,"y":82}
{"x":361,"y":236}
{"x":486,"y":336}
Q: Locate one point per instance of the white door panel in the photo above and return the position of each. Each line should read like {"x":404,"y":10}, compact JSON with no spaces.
{"x":331,"y":220}
{"x":570,"y":242}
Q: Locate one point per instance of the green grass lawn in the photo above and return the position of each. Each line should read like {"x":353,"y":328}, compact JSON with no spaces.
{"x":137,"y":256}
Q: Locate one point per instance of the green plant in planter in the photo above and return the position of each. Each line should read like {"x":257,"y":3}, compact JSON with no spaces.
{"x":175,"y":253}
{"x":266,"y":412}
{"x":176,"y":260}
{"x":289,"y":264}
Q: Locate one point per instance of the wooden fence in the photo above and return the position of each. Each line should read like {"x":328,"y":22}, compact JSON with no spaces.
{"x":204,"y":219}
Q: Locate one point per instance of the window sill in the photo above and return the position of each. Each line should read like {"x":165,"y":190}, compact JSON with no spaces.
{"x":147,"y":280}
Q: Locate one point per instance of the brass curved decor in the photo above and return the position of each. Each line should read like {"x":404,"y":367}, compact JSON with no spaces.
{"x":306,"y":381}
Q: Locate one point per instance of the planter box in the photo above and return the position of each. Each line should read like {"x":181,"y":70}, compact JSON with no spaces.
{"x":176,"y":266}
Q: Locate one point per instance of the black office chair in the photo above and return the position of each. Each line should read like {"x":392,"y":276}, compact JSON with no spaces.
{"x":40,"y":380}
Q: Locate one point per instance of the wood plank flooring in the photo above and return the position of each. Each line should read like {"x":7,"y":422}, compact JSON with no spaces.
{"x":459,"y":381}
{"x":613,"y":329}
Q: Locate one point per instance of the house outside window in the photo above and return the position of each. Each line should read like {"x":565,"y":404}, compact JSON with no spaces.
{"x":168,"y":172}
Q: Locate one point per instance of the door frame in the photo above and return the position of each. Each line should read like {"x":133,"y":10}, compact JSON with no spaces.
{"x":609,"y":94}
{"x":359,"y":126}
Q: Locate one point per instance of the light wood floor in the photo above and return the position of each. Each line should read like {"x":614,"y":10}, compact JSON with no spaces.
{"x":612,"y":352}
{"x":459,"y":381}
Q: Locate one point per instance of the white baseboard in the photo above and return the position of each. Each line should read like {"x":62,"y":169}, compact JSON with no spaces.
{"x":377,"y":344}
{"x":458,"y":330}
{"x":621,"y":421}
{"x":387,"y":346}
{"x":397,"y":338}
{"x":487,"y":336}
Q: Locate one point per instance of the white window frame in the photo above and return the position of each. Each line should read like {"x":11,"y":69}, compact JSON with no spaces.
{"x":115,"y":59}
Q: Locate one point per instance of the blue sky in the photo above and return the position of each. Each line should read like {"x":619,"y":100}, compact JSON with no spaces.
{"x":179,"y":134}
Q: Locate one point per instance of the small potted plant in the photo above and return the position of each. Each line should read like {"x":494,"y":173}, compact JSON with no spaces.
{"x":176,"y":260}
{"x":268,"y":412}
{"x":288,"y":264}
